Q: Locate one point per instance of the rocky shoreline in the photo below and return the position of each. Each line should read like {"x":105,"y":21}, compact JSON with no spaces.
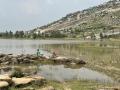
{"x":7,"y":81}
{"x":9,"y":59}
{"x":18,"y":79}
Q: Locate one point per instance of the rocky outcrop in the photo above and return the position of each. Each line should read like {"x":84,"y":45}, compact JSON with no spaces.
{"x":27,"y":59}
{"x":64,"y":60}
{"x":7,"y":81}
{"x":7,"y":59}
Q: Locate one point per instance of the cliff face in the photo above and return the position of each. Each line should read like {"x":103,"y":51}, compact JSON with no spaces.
{"x":103,"y":18}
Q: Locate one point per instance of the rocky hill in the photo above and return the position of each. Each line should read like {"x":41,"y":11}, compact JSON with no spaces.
{"x":103,"y":18}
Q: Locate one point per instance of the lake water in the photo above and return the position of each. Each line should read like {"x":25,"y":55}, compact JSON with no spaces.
{"x":61,"y":73}
{"x":28,"y":46}
{"x":69,"y":48}
{"x":74,"y":48}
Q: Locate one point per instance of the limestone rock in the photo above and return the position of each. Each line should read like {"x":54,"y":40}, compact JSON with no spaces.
{"x":28,"y":80}
{"x":5,"y":77}
{"x":4,"y":85}
{"x":22,"y":81}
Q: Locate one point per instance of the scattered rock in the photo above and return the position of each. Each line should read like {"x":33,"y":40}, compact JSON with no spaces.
{"x":28,"y":80}
{"x":4,"y":85}
{"x":22,"y":81}
{"x":27,"y":59}
{"x":6,"y":78}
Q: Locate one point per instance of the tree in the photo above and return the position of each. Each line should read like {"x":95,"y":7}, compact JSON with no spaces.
{"x":93,"y":36}
{"x":101,"y":36}
{"x":10,"y":34}
{"x":19,"y":34}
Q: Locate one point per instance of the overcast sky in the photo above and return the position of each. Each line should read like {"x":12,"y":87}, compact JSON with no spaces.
{"x":28,"y":14}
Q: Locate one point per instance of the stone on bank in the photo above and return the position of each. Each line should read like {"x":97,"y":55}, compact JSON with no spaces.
{"x":4,"y":85}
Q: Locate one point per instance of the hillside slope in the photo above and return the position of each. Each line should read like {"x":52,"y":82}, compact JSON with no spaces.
{"x":103,"y":18}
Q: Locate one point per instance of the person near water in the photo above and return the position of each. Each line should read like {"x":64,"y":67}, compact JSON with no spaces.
{"x":38,"y":52}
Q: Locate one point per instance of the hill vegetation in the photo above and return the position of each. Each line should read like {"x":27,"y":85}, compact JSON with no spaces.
{"x":88,"y":23}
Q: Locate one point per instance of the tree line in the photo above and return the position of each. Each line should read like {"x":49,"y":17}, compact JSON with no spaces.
{"x":10,"y":34}
{"x":30,"y":35}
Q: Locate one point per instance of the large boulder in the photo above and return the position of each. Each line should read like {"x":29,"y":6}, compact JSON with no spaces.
{"x":5,"y":77}
{"x":4,"y":85}
{"x":28,"y":80}
{"x":62,"y":60}
{"x":22,"y":81}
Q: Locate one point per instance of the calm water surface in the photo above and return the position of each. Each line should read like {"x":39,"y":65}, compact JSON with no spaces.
{"x":71,"y":48}
{"x":29,"y":46}
{"x":62,"y":73}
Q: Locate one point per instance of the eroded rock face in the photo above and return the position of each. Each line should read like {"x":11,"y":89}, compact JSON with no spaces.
{"x":4,"y":85}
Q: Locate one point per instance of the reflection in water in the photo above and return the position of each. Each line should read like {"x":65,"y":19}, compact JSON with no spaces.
{"x":62,"y":47}
{"x":27,"y":46}
{"x":60,"y":73}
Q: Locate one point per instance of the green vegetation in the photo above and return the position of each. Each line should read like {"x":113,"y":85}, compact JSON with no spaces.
{"x":71,"y":85}
{"x":17,"y":73}
{"x":25,"y":35}
{"x":90,"y":23}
